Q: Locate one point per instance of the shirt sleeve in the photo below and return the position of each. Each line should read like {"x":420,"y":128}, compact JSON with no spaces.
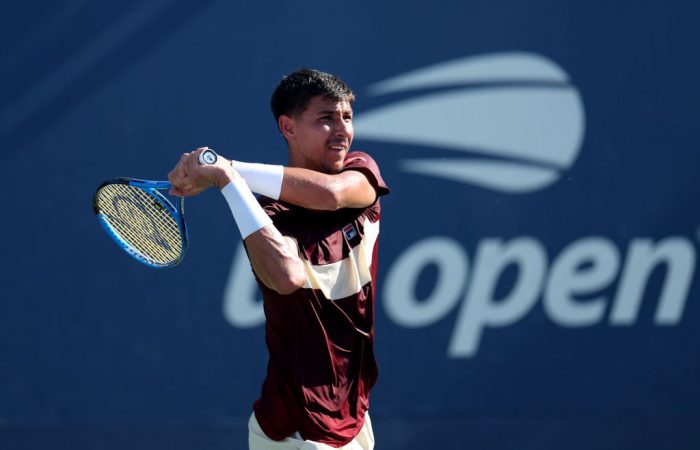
{"x":365,"y":164}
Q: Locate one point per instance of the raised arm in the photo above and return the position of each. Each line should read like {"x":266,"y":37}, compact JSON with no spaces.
{"x":274,"y":257}
{"x":316,"y":190}
{"x":308,"y":188}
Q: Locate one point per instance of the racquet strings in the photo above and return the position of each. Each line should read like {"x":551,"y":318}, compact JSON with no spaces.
{"x":142,"y":222}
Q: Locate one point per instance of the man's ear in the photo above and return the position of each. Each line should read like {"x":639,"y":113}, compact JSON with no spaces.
{"x":286,"y":126}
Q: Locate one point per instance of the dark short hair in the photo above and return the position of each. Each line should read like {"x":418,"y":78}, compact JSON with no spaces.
{"x":294,"y":92}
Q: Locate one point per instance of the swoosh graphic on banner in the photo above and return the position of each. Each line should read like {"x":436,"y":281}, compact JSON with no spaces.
{"x":519,"y":135}
{"x":498,"y":67}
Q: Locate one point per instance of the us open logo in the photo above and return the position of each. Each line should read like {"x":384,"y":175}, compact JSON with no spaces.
{"x":515,"y":125}
{"x":514,"y":120}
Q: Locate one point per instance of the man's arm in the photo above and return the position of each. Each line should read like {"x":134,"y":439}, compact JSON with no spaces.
{"x":317,"y":190}
{"x":275,"y":260}
{"x":308,"y":188}
{"x":274,"y":257}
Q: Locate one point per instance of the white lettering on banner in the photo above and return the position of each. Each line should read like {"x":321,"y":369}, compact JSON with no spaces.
{"x":679,"y":256}
{"x":480,"y":309}
{"x":584,"y":267}
{"x":571,"y":289}
{"x":452,"y":263}
{"x":243,"y":306}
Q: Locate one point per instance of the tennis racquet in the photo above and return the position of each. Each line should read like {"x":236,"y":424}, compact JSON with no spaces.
{"x":142,"y":220}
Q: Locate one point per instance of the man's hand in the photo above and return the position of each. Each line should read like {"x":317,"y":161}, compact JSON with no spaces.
{"x":190,"y":178}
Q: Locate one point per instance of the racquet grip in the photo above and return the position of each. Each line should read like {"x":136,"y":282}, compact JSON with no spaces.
{"x":208,"y":156}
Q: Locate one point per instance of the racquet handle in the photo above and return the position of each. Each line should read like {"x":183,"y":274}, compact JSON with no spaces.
{"x":208,"y":156}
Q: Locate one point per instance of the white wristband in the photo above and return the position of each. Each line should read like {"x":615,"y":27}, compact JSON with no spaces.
{"x":264,"y":179}
{"x":247,"y":212}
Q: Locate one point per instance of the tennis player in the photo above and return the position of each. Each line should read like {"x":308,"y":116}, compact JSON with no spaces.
{"x":311,"y":237}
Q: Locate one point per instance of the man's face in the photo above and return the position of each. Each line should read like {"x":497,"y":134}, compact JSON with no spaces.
{"x":321,"y":135}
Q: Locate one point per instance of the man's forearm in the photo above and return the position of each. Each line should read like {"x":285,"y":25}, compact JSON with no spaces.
{"x":301,"y":187}
{"x":312,"y":190}
{"x":308,"y":188}
{"x":275,"y":260}
{"x":274,"y":257}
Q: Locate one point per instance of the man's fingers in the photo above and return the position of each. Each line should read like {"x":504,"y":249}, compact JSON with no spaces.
{"x":178,"y":176}
{"x":185,"y":164}
{"x":186,"y":178}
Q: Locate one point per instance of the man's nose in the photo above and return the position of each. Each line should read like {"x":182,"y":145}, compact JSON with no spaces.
{"x":343,"y":128}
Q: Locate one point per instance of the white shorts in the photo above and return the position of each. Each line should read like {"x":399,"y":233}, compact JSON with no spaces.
{"x":257,"y":440}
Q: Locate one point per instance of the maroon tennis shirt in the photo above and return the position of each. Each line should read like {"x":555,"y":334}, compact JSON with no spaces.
{"x":320,"y":338}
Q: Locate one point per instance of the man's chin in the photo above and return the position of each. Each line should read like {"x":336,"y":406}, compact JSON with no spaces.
{"x":333,"y":170}
{"x":335,"y":167}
